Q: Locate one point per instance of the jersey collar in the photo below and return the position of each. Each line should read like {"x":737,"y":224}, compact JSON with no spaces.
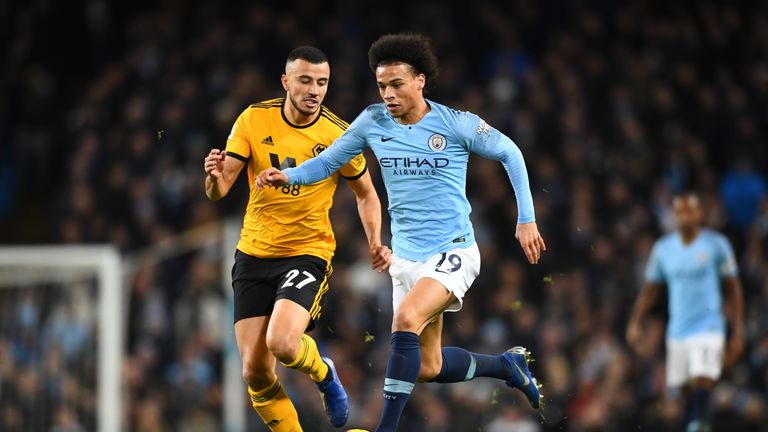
{"x":431,"y":106}
{"x":288,"y":122}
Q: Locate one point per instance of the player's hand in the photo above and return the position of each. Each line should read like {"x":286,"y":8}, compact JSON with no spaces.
{"x":214,"y":163}
{"x":734,"y":350}
{"x":633,"y":335}
{"x":381,"y":258}
{"x":530,"y":239}
{"x":271,"y":177}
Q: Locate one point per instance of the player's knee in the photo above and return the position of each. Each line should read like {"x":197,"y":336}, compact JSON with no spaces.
{"x":257,"y":376}
{"x":405,"y":320}
{"x":283,"y":346}
{"x":702,"y":383}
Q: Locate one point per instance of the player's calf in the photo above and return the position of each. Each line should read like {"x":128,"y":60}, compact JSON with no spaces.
{"x":321,"y":370}
{"x":257,"y":377}
{"x":308,"y":360}
{"x":459,"y":365}
{"x":274,"y":407}
{"x":402,"y":373}
{"x":698,"y":404}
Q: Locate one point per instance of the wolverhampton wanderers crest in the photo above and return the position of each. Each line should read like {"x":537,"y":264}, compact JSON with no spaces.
{"x":319,"y":148}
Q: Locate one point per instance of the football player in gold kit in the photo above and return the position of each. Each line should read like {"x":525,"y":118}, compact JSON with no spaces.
{"x":282,"y":262}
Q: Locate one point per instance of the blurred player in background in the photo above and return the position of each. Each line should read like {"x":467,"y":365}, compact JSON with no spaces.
{"x":423,"y":148}
{"x":283,"y":258}
{"x":694,"y":263}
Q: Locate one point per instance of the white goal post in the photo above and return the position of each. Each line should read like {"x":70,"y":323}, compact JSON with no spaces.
{"x":103,"y":262}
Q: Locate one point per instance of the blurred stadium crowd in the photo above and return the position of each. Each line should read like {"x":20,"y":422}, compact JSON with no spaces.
{"x":110,"y":109}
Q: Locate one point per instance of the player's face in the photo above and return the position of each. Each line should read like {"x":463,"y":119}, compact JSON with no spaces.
{"x":306,"y":84}
{"x":687,"y":211}
{"x":400,"y":88}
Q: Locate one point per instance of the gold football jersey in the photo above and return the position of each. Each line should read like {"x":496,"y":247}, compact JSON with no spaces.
{"x":287,"y":220}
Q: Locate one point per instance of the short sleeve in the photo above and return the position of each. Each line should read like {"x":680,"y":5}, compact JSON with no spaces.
{"x":653,"y":270}
{"x":355,"y":168}
{"x":726,"y":262}
{"x":238,"y":144}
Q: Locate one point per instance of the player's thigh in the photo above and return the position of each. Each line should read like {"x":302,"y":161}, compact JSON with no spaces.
{"x":303,"y":280}
{"x":254,"y":298}
{"x":677,"y":364}
{"x":289,"y":322}
{"x":254,"y":293}
{"x":430,"y":343}
{"x":424,"y":302}
{"x":456,"y":270}
{"x":404,"y":274}
{"x":258,"y":361}
{"x":706,"y":356}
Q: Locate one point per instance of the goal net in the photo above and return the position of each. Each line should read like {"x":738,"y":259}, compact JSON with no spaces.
{"x":61,"y":338}
{"x":93,"y":340}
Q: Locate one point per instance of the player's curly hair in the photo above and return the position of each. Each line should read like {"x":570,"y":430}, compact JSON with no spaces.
{"x":412,"y":49}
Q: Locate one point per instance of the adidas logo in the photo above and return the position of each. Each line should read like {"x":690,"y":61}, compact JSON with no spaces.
{"x":268,"y":141}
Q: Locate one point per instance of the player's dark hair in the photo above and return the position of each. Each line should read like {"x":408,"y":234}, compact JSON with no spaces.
{"x":412,"y":49}
{"x":685,"y":193}
{"x":307,"y":53}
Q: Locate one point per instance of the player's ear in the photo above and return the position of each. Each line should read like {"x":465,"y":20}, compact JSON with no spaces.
{"x":284,"y":81}
{"x":422,"y":81}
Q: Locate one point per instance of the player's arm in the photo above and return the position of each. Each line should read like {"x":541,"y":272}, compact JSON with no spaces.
{"x":223,"y":167}
{"x":369,"y":208}
{"x":220,"y":173}
{"x":654,"y":276}
{"x":350,"y":144}
{"x":734,"y":300}
{"x":734,"y":295}
{"x":492,"y":144}
{"x":645,"y":301}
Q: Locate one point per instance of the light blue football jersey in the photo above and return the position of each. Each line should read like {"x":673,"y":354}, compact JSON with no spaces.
{"x":693,"y":273}
{"x":424,"y":167}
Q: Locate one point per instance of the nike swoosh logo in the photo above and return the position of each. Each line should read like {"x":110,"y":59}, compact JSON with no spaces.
{"x":386,"y":139}
{"x":526,"y":380}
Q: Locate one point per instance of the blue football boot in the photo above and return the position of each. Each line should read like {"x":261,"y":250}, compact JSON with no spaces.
{"x":518,"y":359}
{"x":334,"y":397}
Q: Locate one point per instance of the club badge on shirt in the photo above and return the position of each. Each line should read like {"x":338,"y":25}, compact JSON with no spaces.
{"x":437,"y":142}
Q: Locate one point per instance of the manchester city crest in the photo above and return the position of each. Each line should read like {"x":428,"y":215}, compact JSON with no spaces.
{"x":437,"y":142}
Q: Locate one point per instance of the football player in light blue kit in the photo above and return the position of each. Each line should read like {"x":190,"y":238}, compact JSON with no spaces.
{"x":423,"y":148}
{"x":693,"y":262}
